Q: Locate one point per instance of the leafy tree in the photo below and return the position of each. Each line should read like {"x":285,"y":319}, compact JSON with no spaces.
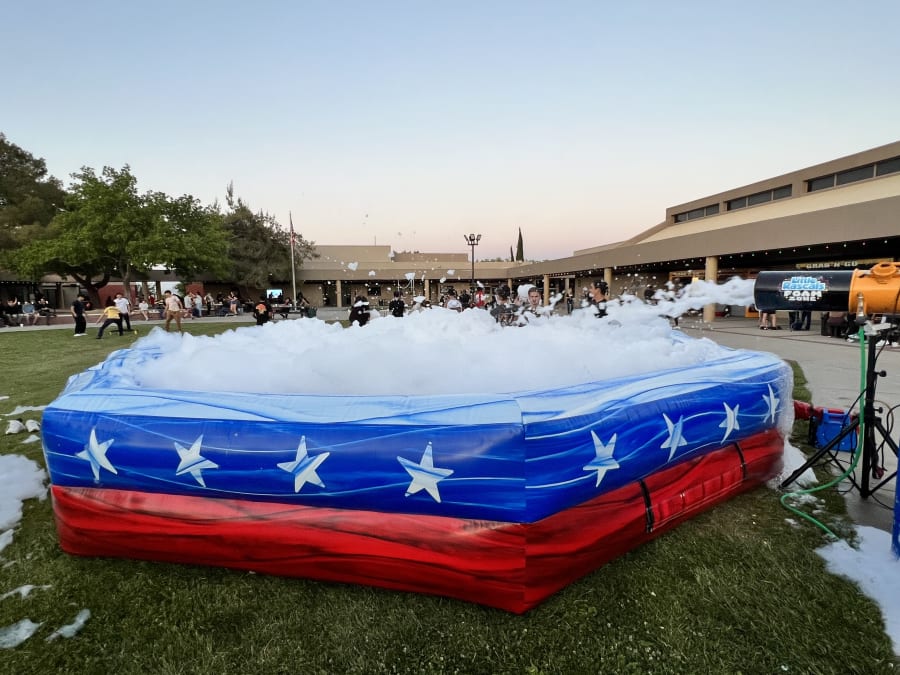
{"x":259,"y":250}
{"x":109,"y":230}
{"x":512,"y":258}
{"x":520,"y":249}
{"x":29,"y":197}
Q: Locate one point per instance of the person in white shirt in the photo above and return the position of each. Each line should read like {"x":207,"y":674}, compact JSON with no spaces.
{"x":124,"y":306}
{"x":173,"y":309}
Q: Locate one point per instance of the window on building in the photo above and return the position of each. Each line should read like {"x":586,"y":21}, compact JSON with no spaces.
{"x":853,"y":175}
{"x":759,"y":198}
{"x":782,"y":192}
{"x":822,"y":183}
{"x":735,"y":204}
{"x":702,"y":212}
{"x":887,"y":166}
{"x":695,"y":213}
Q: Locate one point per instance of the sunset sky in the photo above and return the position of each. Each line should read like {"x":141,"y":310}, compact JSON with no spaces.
{"x":411,"y":123}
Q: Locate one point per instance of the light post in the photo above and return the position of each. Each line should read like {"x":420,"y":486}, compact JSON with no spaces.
{"x":472,"y":240}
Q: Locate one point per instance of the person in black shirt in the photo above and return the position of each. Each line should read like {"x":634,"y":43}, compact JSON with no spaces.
{"x":263,"y":311}
{"x":503,"y":311}
{"x":396,"y":306}
{"x":360,"y":311}
{"x":78,"y":313}
{"x":12,"y":312}
{"x":42,"y":305}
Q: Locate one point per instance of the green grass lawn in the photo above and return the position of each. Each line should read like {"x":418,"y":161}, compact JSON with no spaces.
{"x":735,"y":590}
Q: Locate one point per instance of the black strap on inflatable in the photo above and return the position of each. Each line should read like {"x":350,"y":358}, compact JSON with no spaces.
{"x":648,"y":505}
{"x":737,"y":446}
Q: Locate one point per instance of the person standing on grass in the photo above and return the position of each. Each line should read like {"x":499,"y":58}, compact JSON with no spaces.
{"x":78,"y":315}
{"x":174,"y":308}
{"x":111,"y":315}
{"x":124,"y":306}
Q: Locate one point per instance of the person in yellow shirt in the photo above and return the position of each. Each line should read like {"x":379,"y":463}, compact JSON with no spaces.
{"x":111,"y":315}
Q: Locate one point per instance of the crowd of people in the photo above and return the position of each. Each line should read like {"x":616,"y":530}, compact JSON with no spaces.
{"x":15,"y":313}
{"x":118,"y":310}
{"x":173,"y":308}
{"x":505,"y":309}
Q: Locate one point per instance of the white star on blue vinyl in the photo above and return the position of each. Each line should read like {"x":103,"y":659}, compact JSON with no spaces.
{"x":730,"y":422}
{"x":95,"y":453}
{"x":604,"y":461}
{"x":304,"y":467}
{"x":424,"y":475}
{"x":193,"y":462}
{"x":675,"y":439}
{"x":772,"y":401}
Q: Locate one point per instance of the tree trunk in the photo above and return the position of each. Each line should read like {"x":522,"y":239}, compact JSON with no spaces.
{"x":126,"y":282}
{"x":92,"y":288}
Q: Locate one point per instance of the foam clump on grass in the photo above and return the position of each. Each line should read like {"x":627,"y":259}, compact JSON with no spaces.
{"x":21,"y":479}
{"x":71,"y":630}
{"x":15,"y":634}
{"x":873,"y":566}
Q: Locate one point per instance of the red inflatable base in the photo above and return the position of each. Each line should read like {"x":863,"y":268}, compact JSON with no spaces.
{"x":506,"y":565}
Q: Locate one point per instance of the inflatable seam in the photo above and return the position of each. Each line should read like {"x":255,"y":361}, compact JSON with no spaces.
{"x":737,"y":447}
{"x":648,"y":505}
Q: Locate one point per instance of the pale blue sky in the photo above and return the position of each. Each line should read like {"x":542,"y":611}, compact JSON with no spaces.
{"x":412,"y":123}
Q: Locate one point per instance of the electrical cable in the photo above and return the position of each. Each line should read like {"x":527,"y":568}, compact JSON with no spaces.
{"x":856,"y":455}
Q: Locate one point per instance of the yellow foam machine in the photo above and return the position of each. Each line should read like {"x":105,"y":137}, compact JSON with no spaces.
{"x":861,"y":292}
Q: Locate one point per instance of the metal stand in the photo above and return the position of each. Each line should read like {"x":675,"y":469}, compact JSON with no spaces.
{"x":868,"y":447}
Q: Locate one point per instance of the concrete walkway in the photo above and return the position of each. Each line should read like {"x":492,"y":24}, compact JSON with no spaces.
{"x":832,"y":370}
